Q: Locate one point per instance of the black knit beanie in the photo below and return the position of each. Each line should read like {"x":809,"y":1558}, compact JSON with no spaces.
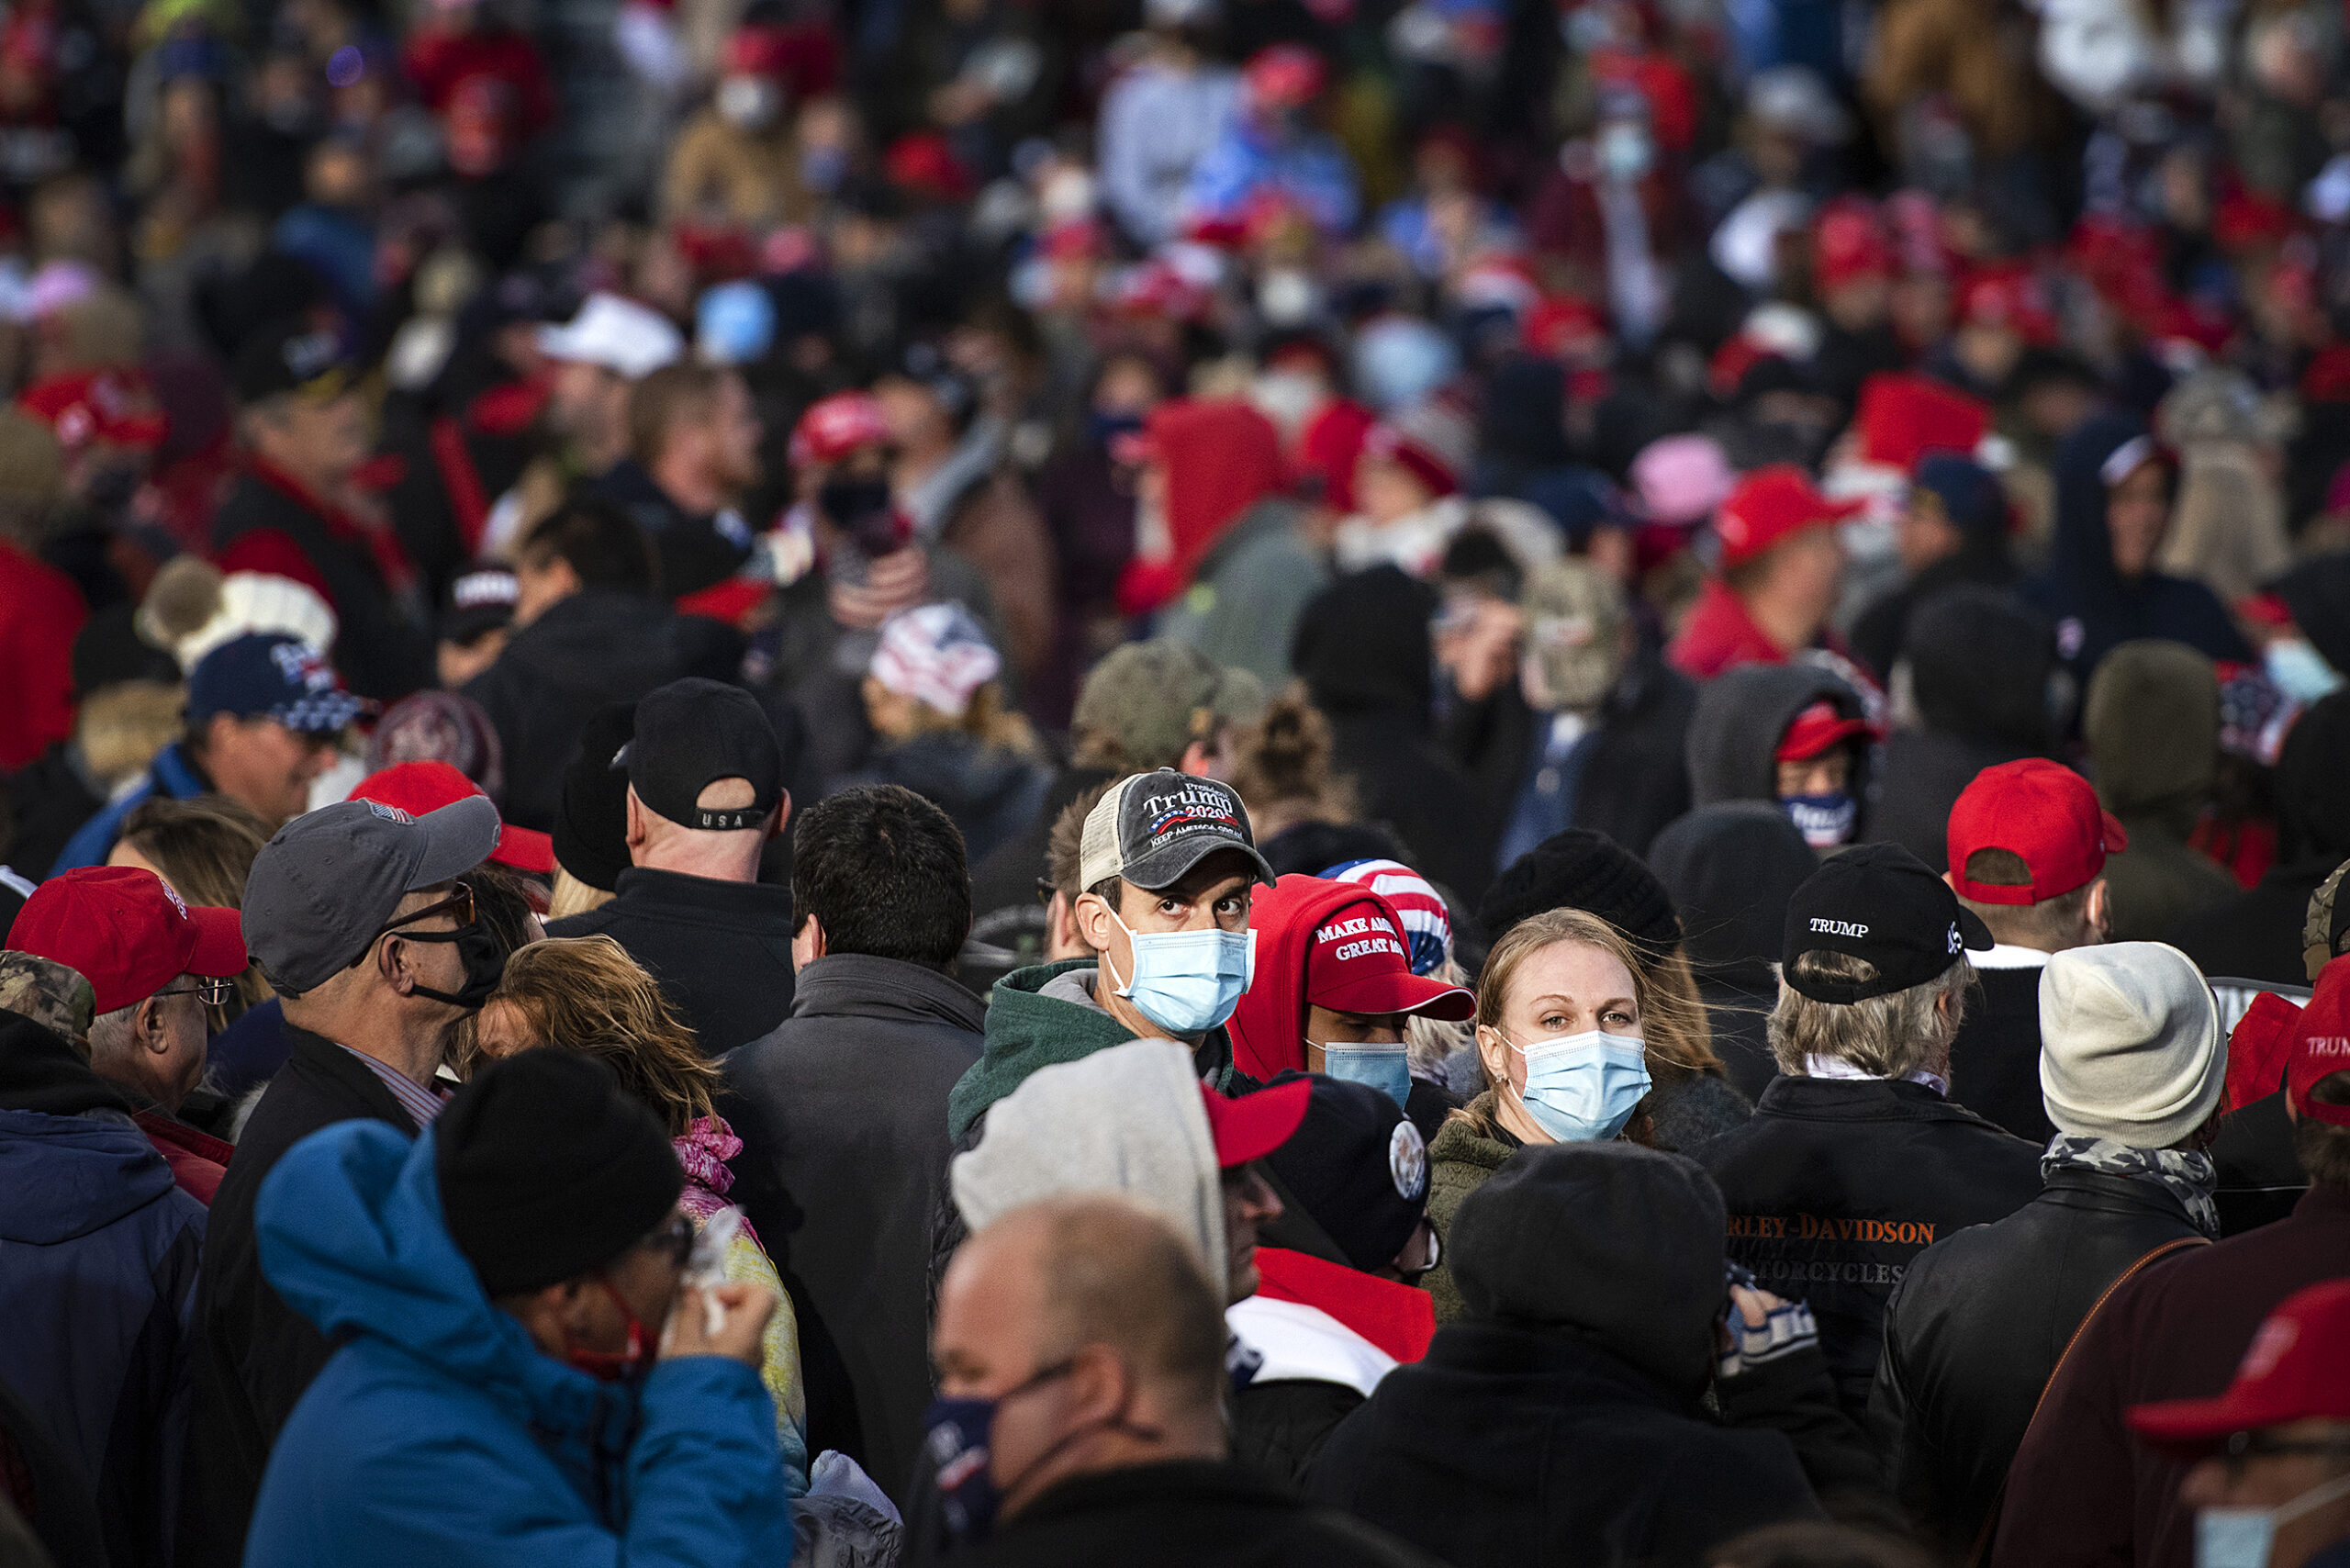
{"x":1586,"y":871}
{"x":548,"y":1170}
{"x":591,"y":820}
{"x":1606,"y":1242}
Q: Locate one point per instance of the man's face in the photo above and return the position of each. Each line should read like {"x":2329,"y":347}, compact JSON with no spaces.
{"x":989,"y":1340}
{"x":1249,"y":1201}
{"x":1213,"y":896}
{"x":457,"y":663}
{"x":585,"y":401}
{"x":1807,"y":572}
{"x":2137,"y":513}
{"x":1829,"y":773}
{"x":734,"y":436}
{"x":915,"y":417}
{"x":268,"y":767}
{"x":1925,"y":534}
{"x":646,"y":1276}
{"x":321,"y":439}
{"x":2271,"y":1481}
{"x":1328,"y":1026}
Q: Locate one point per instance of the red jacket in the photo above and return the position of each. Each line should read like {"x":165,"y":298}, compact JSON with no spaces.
{"x":1719,"y":635}
{"x":2082,"y":1490}
{"x":197,"y":1159}
{"x":40,"y":613}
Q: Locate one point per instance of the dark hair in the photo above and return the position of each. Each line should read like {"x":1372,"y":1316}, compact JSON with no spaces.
{"x":883,"y":870}
{"x":602,"y":545}
{"x":2322,"y":1149}
{"x":1064,"y":846}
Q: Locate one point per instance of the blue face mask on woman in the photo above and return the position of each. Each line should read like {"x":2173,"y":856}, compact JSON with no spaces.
{"x":1187,"y":982}
{"x":1583,"y":1087}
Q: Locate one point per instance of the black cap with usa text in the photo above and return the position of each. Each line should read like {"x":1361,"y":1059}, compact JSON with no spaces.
{"x":689,"y":735}
{"x":1879,"y":903}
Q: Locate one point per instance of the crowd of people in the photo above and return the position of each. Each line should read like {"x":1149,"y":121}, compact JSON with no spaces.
{"x":1288,"y":782}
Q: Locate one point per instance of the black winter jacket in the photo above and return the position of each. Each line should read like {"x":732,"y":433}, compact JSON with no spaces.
{"x":1836,"y":1185}
{"x":1510,"y":1445}
{"x":721,"y":950}
{"x":842,"y":1111}
{"x":1995,"y":1062}
{"x":1741,"y":716}
{"x":255,"y":1355}
{"x":1977,"y":1324}
{"x":597,"y":647}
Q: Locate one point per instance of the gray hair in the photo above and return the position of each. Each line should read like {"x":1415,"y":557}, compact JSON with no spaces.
{"x":1885,"y":1037}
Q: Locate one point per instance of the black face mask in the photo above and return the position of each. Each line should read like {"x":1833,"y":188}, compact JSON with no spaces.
{"x":484,"y":960}
{"x":860,"y":509}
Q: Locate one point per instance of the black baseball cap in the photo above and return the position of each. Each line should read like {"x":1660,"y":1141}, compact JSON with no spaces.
{"x":323,"y":887}
{"x":1356,"y":1167}
{"x":692,"y":732}
{"x":1879,"y":903}
{"x":291,"y":357}
{"x":591,"y":820}
{"x":1150,"y":829}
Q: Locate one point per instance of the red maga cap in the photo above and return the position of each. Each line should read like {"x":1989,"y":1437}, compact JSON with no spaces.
{"x":2301,"y":1045}
{"x":417,"y":787}
{"x":835,"y":426}
{"x":1769,"y":505}
{"x":127,"y":932}
{"x":1250,"y":1126}
{"x":1360,"y":961}
{"x":1816,"y":729}
{"x":2042,"y":811}
{"x":2296,"y":1368}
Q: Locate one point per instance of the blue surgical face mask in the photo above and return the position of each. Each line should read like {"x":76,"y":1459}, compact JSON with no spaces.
{"x":2299,"y":671}
{"x":1825,"y":821}
{"x":1187,"y":982}
{"x":1583,"y":1087}
{"x":1385,"y":1067}
{"x":2244,"y":1538}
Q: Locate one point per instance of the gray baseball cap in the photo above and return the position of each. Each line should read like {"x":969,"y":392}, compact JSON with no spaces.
{"x":321,"y":890}
{"x":1150,"y":829}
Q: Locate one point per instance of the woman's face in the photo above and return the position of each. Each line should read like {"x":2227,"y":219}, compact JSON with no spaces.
{"x":2137,"y":513}
{"x":502,"y":1030}
{"x":1567,"y":987}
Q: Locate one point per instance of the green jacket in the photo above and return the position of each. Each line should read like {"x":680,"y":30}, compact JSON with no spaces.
{"x":1026,"y":1030}
{"x":1459,"y":1161}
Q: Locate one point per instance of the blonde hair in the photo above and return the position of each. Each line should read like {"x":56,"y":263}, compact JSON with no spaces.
{"x":585,"y":994}
{"x":572,"y":896}
{"x":1887,"y":1036}
{"x":985,"y":719}
{"x":1669,"y":1020}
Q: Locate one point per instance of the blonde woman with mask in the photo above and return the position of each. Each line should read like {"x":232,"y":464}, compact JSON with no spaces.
{"x":1565,"y":1019}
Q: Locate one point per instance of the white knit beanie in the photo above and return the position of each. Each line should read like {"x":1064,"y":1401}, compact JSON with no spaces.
{"x":2130,"y":1044}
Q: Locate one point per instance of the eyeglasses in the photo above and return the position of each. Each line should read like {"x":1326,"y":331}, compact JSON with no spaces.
{"x":458,"y":906}
{"x":676,"y":1237}
{"x":2242,"y":1447}
{"x":211,"y":992}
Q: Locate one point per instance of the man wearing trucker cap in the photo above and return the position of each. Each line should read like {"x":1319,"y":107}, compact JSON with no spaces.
{"x":2028,"y":843}
{"x":152,"y":963}
{"x":357,"y":915}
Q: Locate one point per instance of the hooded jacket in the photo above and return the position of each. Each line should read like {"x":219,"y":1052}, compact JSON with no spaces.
{"x":1128,"y":1119}
{"x":1363,"y":649}
{"x":989,"y":793}
{"x":1979,"y":665}
{"x":1732,"y":870}
{"x":599,"y":646}
{"x":2256,"y":935}
{"x":1743,"y":715}
{"x":1221,"y":457}
{"x":1028,"y":1029}
{"x":2152,"y":722}
{"x":101,"y":1252}
{"x":440,"y":1433}
{"x":2094,"y":607}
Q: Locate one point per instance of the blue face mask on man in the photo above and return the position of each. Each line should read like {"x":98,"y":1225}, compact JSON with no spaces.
{"x":1187,"y":982}
{"x":2245,"y":1538}
{"x":1825,"y":821}
{"x":1385,"y":1067}
{"x":959,"y":1440}
{"x":1583,"y":1087}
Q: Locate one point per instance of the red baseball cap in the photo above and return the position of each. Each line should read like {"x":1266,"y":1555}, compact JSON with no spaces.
{"x":1360,"y":961}
{"x":835,"y":426}
{"x":2296,"y":1368}
{"x":2301,"y":1045}
{"x":127,"y":932}
{"x":1250,"y":1126}
{"x":1771,"y":504}
{"x":1816,"y":729}
{"x":417,"y":787}
{"x":1901,"y":418}
{"x":2042,"y":811}
{"x":117,"y":407}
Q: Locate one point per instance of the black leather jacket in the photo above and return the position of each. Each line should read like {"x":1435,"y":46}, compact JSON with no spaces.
{"x":1975,"y":1328}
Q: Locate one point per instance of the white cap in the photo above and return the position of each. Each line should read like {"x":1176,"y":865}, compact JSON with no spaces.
{"x":619,"y":334}
{"x":2130,"y":1047}
{"x":261,"y":601}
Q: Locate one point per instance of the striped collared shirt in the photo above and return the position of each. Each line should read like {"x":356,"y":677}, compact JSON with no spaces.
{"x":421,"y":1104}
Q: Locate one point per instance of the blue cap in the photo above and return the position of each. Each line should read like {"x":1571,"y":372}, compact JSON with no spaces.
{"x":268,"y":674}
{"x":734,"y":323}
{"x":1970,"y":494}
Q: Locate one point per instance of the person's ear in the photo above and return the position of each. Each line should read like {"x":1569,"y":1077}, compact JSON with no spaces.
{"x":1092,"y":917}
{"x":807,"y":943}
{"x":1492,"y":1054}
{"x":391,"y":963}
{"x":154,"y":1032}
{"x":780,"y":817}
{"x":1101,"y":1388}
{"x":2098,"y":911}
{"x":1060,"y":922}
{"x":639,"y":829}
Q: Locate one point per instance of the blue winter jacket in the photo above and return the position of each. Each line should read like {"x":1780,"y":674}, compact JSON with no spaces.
{"x":171,"y":775}
{"x":440,"y":1434}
